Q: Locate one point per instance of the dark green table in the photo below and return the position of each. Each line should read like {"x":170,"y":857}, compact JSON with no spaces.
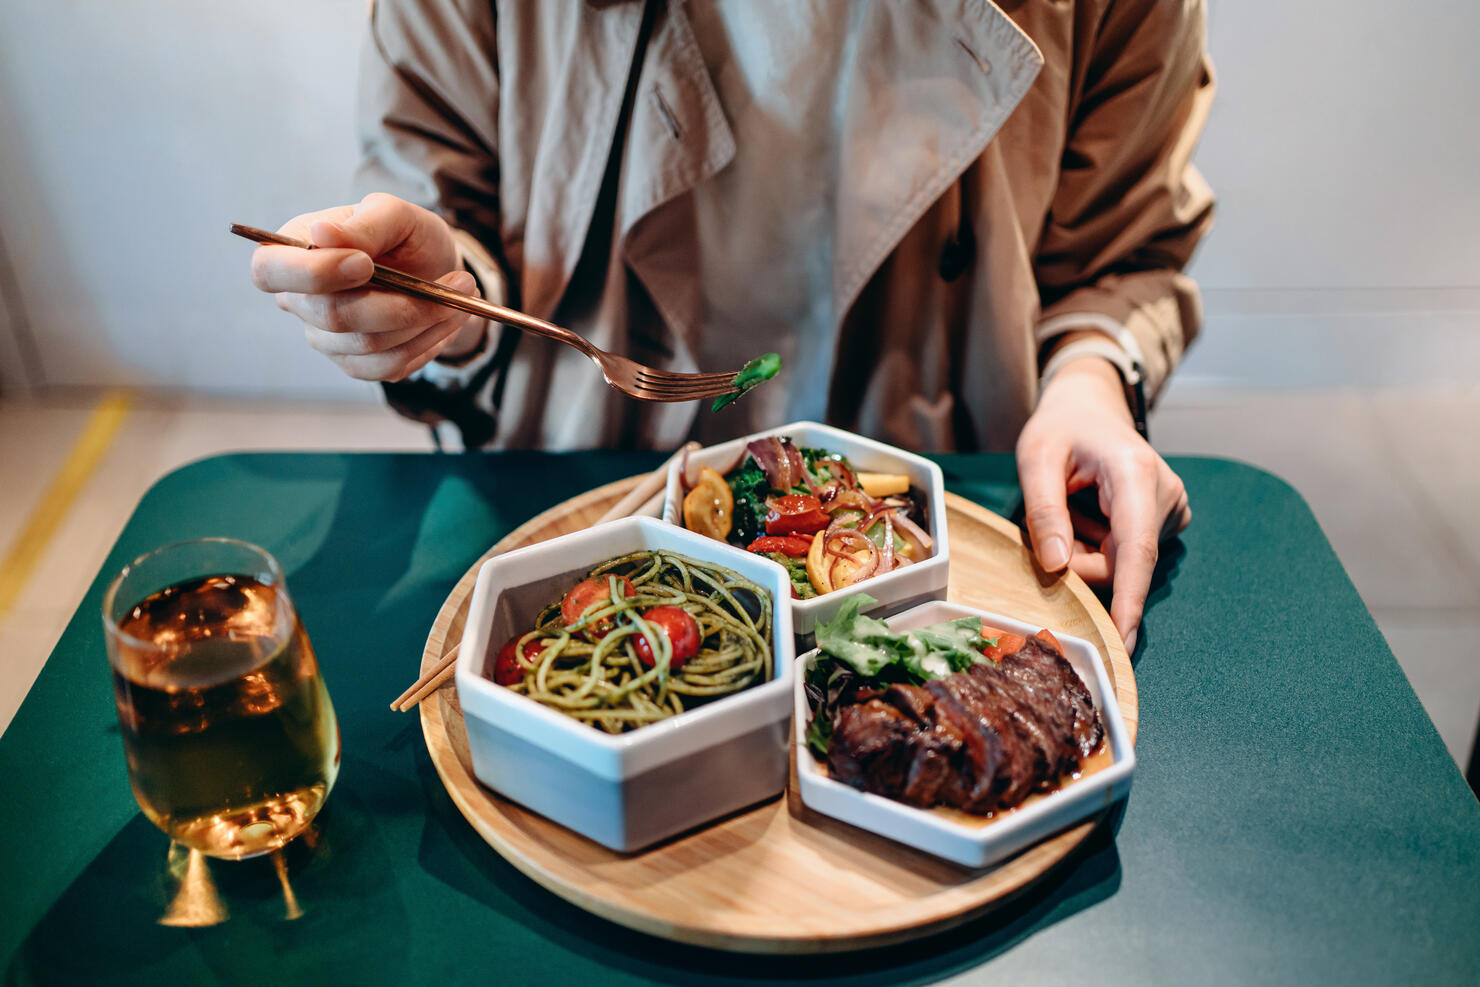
{"x":1295,"y":817}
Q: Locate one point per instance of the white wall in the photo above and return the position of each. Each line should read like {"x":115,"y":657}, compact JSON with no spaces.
{"x":1345,"y":146}
{"x":131,"y":136}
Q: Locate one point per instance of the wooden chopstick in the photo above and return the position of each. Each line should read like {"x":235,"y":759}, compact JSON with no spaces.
{"x":652,"y":483}
{"x":428,"y":683}
{"x":643,"y":499}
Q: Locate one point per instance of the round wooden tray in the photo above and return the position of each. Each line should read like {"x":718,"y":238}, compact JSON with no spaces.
{"x":778,"y":878}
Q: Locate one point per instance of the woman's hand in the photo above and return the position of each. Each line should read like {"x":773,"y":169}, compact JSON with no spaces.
{"x":1081,"y":435}
{"x":370,"y":334}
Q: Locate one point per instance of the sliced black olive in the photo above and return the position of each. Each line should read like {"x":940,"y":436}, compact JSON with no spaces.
{"x":748,"y":601}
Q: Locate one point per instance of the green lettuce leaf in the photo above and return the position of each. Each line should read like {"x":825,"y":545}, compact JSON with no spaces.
{"x":869,"y":646}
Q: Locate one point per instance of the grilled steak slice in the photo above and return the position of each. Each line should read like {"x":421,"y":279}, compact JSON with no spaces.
{"x":986,"y":753}
{"x":1029,"y":748}
{"x":979,"y":740}
{"x":1046,"y":670}
{"x":909,"y":747}
{"x":872,"y":747}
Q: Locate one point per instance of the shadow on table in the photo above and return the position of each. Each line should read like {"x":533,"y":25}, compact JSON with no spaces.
{"x":453,"y":853}
{"x":107,"y":927}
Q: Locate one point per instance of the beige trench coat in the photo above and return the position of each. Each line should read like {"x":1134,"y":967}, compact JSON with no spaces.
{"x":1011,"y":171}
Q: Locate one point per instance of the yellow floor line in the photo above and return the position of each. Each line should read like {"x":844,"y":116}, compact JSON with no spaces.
{"x":97,"y":435}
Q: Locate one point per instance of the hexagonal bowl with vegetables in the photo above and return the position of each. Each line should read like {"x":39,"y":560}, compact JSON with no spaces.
{"x":838,"y":510}
{"x":630,"y":681}
{"x":963,"y":733}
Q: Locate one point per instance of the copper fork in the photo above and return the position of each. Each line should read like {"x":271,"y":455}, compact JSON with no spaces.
{"x":628,"y":376}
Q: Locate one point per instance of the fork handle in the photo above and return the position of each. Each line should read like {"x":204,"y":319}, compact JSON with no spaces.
{"x":408,"y":284}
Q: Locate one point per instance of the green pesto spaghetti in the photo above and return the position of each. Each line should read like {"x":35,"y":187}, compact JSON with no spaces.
{"x":642,"y":638}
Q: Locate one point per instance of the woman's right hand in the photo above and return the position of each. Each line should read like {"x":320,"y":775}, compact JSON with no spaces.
{"x":370,"y":334}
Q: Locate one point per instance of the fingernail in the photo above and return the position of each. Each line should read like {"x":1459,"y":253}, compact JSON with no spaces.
{"x":1054,"y":554}
{"x":464,"y":282}
{"x":356,"y":267}
{"x":1130,"y":642}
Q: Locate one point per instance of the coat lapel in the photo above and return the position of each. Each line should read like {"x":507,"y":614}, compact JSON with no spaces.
{"x":588,"y":101}
{"x":677,"y":138}
{"x":933,"y":82}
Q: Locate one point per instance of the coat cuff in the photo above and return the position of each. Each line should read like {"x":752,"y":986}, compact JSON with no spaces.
{"x":1150,"y":315}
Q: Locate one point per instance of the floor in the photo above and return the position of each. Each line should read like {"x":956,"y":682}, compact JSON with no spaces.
{"x":1392,"y":477}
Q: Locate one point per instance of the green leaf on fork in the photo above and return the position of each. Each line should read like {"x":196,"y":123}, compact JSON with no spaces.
{"x":761,"y":369}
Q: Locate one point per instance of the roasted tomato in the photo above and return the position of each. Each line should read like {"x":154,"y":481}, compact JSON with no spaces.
{"x":506,"y":667}
{"x":796,"y":514}
{"x":1007,"y":644}
{"x":589,"y":593}
{"x":794,"y":545}
{"x":681,"y":629}
{"x":1046,"y":637}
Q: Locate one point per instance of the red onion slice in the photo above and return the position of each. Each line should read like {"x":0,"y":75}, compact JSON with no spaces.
{"x":771,"y":457}
{"x":886,"y":554}
{"x":866,"y":570}
{"x":912,"y":530}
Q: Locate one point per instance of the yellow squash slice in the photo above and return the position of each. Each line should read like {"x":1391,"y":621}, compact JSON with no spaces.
{"x":708,"y":508}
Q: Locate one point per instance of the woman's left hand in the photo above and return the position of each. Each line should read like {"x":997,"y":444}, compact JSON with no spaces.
{"x":1082,"y":434}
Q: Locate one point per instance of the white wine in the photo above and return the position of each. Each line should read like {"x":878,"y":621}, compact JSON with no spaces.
{"x":231,"y":740}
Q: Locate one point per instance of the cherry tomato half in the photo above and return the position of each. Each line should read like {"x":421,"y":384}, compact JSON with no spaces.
{"x":506,"y":667}
{"x":681,"y":629}
{"x":796,"y":514}
{"x":794,"y":545}
{"x":588,"y":594}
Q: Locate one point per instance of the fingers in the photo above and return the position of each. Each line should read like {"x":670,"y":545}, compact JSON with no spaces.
{"x":1138,"y":505}
{"x":378,"y":226}
{"x":379,"y":335}
{"x":407,"y":356}
{"x":1090,"y":564}
{"x":1179,"y":518}
{"x":1091,"y":531}
{"x":1042,"y":472}
{"x":383,"y":227}
{"x":279,"y":269}
{"x":370,"y":310}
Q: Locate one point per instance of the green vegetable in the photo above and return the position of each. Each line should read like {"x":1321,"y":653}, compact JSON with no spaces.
{"x":815,"y":460}
{"x":748,"y":516}
{"x":819,"y":735}
{"x":757,"y":371}
{"x":797,"y":570}
{"x":869,"y":647}
{"x":750,"y":488}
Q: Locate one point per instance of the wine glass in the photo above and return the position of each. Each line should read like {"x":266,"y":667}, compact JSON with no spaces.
{"x":231,"y":740}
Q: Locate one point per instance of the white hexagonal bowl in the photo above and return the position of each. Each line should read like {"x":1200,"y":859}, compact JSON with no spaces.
{"x":985,"y":843}
{"x":895,"y":591}
{"x":631,"y":790}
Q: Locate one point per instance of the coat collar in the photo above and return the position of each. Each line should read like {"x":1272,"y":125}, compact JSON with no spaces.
{"x":933,"y":82}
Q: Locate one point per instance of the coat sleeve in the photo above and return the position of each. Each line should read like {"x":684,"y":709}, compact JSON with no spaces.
{"x":428,"y":125}
{"x":1129,"y":207}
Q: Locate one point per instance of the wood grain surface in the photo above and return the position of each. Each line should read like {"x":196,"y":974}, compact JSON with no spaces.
{"x":778,"y":878}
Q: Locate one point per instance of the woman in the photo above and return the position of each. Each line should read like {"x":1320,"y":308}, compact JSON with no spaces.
{"x":961,"y":224}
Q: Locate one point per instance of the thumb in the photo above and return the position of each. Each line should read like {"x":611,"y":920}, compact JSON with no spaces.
{"x":1043,"y":475}
{"x":378,"y":225}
